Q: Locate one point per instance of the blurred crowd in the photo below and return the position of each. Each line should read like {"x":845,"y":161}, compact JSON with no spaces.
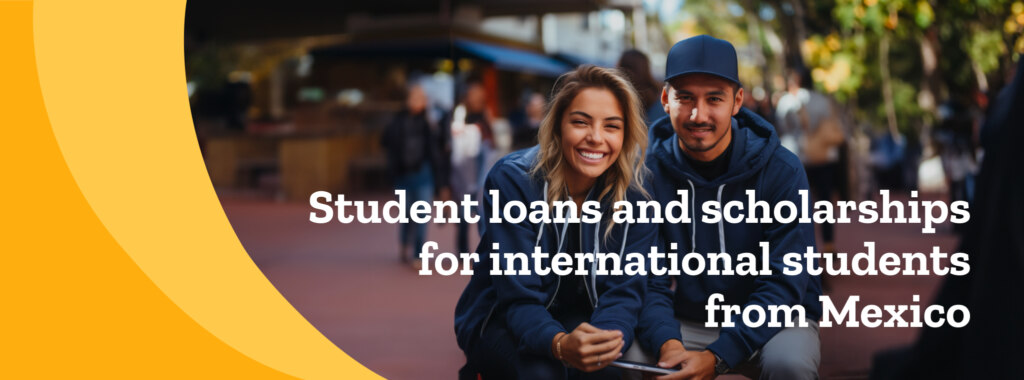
{"x":434,"y":152}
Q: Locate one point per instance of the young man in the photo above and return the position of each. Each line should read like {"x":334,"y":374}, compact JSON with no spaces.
{"x":716,"y":150}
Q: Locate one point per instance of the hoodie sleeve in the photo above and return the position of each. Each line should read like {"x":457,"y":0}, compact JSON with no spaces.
{"x":657,"y":322}
{"x":735,"y":344}
{"x":522,"y":295}
{"x":619,"y":304}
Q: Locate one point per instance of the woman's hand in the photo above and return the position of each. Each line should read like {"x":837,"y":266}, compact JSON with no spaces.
{"x":588,"y":348}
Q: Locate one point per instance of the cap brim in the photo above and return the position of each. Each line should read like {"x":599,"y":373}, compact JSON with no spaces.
{"x":677,"y":75}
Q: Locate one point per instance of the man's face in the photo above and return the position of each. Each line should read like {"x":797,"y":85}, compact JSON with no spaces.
{"x":417,"y":100}
{"x":706,"y":133}
{"x":535,"y":108}
{"x":476,"y":98}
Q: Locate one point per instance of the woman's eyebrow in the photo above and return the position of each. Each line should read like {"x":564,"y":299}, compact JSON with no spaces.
{"x":581,"y":113}
{"x":619,"y":118}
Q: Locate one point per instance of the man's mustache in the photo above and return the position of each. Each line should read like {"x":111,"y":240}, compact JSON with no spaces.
{"x":699,"y":125}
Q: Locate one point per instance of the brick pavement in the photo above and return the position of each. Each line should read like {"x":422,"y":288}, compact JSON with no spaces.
{"x":347,"y":281}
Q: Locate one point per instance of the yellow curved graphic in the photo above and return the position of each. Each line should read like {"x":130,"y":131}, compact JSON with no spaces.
{"x":118,"y":185}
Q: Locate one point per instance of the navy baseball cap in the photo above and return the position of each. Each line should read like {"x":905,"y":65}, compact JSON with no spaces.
{"x":702,"y":54}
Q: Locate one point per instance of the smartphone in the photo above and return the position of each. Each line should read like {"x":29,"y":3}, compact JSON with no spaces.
{"x":643,"y":367}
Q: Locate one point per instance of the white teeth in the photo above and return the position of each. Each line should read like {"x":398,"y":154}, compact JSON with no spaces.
{"x":592,"y":156}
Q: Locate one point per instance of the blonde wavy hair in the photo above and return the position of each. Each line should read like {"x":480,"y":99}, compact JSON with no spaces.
{"x":628,"y":170}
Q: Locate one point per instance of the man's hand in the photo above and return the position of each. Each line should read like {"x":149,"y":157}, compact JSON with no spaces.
{"x":696,"y":365}
{"x":589,"y":348}
{"x":671,"y":355}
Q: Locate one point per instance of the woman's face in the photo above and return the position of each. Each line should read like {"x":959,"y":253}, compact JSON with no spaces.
{"x":592,"y":127}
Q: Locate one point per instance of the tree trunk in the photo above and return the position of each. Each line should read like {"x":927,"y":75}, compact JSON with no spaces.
{"x":800,"y":33}
{"x":754,"y":29}
{"x":890,"y":106}
{"x":931,"y":82}
{"x":793,"y":32}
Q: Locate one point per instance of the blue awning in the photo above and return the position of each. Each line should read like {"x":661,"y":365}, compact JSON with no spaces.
{"x":510,"y":59}
{"x":503,"y":58}
{"x":576,"y":60}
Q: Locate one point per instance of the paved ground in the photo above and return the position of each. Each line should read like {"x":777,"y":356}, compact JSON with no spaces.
{"x":347,"y":281}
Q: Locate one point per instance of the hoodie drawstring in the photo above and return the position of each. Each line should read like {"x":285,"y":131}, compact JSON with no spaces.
{"x":593,"y":265}
{"x":540,"y":233}
{"x":693,"y":208}
{"x":561,"y":240}
{"x":721,"y":222}
{"x":593,"y":262}
{"x":625,"y":235}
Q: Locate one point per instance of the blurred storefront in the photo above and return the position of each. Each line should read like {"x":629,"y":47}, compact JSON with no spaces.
{"x":291,"y":99}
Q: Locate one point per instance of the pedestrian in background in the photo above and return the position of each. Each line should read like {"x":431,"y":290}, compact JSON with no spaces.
{"x":470,"y":139}
{"x":809,"y":125}
{"x":410,"y":141}
{"x":526,"y":122}
{"x":637,"y":68}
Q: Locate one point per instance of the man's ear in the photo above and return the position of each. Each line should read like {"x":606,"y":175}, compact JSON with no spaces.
{"x":664,"y":99}
{"x":739,"y":101}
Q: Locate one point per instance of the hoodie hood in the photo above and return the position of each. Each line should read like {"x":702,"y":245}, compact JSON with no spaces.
{"x":759,"y":163}
{"x":754,"y":143}
{"x":520,"y":302}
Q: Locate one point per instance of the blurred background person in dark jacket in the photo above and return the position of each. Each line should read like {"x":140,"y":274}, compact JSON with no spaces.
{"x":526,"y":122}
{"x":637,"y":68}
{"x":411,"y":143}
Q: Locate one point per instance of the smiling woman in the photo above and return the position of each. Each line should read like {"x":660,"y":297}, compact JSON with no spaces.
{"x":593,"y":111}
{"x":552,"y":326}
{"x":592,"y":133}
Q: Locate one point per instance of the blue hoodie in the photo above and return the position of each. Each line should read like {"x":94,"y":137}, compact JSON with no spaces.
{"x":522,"y":300}
{"x":758,"y":162}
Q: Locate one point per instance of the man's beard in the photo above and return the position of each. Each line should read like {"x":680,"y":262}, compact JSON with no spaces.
{"x":695,"y":148}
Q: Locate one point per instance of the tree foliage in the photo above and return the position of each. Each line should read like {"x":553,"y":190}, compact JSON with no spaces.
{"x":937,"y":49}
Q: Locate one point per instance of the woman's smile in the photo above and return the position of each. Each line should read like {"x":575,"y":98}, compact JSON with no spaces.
{"x":591,"y":156}
{"x":592,"y":134}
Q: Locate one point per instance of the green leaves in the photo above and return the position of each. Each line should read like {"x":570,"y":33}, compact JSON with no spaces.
{"x":840,"y":46}
{"x":985,"y":47}
{"x":924,"y":15}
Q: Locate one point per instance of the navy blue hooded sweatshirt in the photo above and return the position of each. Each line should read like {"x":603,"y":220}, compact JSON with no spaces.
{"x":758,"y":162}
{"x":521,"y":301}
